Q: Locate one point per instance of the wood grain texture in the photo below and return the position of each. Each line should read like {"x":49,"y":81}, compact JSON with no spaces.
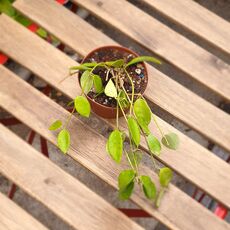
{"x":173,"y":47}
{"x":196,"y":19}
{"x":12,"y":217}
{"x":177,"y":210}
{"x":198,"y":114}
{"x":60,"y":192}
{"x":46,"y":61}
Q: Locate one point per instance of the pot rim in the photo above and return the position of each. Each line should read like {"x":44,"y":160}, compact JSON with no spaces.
{"x":115,"y":47}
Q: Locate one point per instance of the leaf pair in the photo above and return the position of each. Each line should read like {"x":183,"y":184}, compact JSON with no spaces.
{"x":89,"y":79}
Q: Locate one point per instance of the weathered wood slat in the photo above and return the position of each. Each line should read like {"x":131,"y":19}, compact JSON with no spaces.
{"x":52,"y":65}
{"x":177,"y":210}
{"x":155,"y":36}
{"x":197,"y":19}
{"x":169,"y":95}
{"x":60,"y":192}
{"x":13,"y":217}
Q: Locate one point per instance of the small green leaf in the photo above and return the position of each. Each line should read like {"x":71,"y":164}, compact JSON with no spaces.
{"x":86,"y":82}
{"x":110,"y":89}
{"x":63,"y":140}
{"x":70,"y":103}
{"x":97,"y":84}
{"x":42,"y":33}
{"x":55,"y":125}
{"x":134,"y":130}
{"x":125,"y":178}
{"x":171,"y":141}
{"x":117,"y":64}
{"x":142,"y":113}
{"x":79,"y":67}
{"x":23,"y":20}
{"x":89,"y":64}
{"x":82,"y":106}
{"x":127,"y":192}
{"x":142,"y":59}
{"x":135,"y":157}
{"x":115,"y":145}
{"x":153,"y":144}
{"x":149,"y":187}
{"x":165,"y":176}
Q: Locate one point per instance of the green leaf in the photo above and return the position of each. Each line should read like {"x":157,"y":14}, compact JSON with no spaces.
{"x":142,"y":113}
{"x":153,"y":144}
{"x":149,"y":187}
{"x":86,"y":81}
{"x":97,"y":84}
{"x":125,"y":178}
{"x":79,"y":67}
{"x":55,"y":125}
{"x":142,"y":59}
{"x":82,"y":106}
{"x":89,"y":64}
{"x":23,"y":20}
{"x":110,"y":89}
{"x":7,"y":8}
{"x":117,"y":64}
{"x":134,"y":130}
{"x":115,"y":145}
{"x":171,"y":141}
{"x":42,"y":33}
{"x":127,"y":192}
{"x":63,"y":140}
{"x":165,"y":176}
{"x":135,"y":157}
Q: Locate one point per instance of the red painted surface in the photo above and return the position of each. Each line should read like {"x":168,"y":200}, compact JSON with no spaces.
{"x":134,"y":212}
{"x":33,"y":27}
{"x":3,"y":58}
{"x":221,"y":212}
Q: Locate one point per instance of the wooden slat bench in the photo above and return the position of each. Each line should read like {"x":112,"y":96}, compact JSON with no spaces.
{"x":192,"y":161}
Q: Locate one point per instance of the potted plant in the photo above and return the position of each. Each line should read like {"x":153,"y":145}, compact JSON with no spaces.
{"x":113,"y":80}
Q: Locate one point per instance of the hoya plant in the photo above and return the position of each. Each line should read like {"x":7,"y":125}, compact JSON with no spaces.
{"x":137,"y":115}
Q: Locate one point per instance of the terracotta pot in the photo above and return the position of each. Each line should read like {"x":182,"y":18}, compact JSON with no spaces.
{"x":107,"y":111}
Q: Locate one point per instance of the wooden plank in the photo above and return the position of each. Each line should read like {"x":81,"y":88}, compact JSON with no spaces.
{"x":198,"y":114}
{"x":173,"y":47}
{"x":60,"y":192}
{"x":177,"y":210}
{"x":46,"y":61}
{"x":13,"y":217}
{"x":196,"y":19}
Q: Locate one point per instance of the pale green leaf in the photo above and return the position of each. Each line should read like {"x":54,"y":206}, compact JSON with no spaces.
{"x":63,"y":140}
{"x":149,"y":187}
{"x":165,"y":176}
{"x":86,"y":81}
{"x":171,"y":141}
{"x":117,"y":64}
{"x":82,"y":106}
{"x":142,"y":113}
{"x":55,"y":125}
{"x":153,"y":144}
{"x":142,"y":59}
{"x":97,"y":82}
{"x":135,"y":157}
{"x":115,"y":145}
{"x":110,"y":89}
{"x":134,"y":130}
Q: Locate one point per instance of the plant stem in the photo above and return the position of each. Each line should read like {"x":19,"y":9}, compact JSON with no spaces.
{"x":68,"y":119}
{"x":132,"y":96}
{"x":127,"y":155}
{"x":159,"y":197}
